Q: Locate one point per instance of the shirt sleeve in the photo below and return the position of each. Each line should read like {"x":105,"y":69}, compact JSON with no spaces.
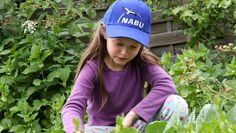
{"x":77,"y":101}
{"x":162,"y":86}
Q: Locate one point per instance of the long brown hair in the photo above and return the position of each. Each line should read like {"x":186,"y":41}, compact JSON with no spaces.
{"x":97,"y":49}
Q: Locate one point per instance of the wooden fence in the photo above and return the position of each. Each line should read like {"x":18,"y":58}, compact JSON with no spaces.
{"x":165,"y":35}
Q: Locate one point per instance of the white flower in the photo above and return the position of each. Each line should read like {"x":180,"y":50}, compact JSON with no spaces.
{"x":225,"y":47}
{"x":29,"y":26}
{"x":231,"y":44}
{"x":186,"y":59}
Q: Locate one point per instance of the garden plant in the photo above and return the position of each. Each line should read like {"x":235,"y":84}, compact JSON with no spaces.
{"x":40,"y":46}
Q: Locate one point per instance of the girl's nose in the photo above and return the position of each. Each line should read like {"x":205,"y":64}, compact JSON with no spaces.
{"x":124,"y":51}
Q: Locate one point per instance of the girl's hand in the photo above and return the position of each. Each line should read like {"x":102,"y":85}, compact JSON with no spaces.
{"x":129,"y":119}
{"x":140,"y":125}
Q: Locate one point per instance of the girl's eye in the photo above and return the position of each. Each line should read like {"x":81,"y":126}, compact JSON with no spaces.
{"x":132,"y":46}
{"x":119,"y":44}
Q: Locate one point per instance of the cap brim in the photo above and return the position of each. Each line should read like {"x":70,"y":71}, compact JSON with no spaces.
{"x":128,"y":32}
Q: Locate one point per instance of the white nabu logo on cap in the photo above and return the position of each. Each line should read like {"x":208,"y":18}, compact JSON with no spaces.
{"x":128,"y":11}
{"x":127,"y":20}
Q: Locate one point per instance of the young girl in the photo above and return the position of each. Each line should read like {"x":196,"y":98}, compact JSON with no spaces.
{"x":112,"y":72}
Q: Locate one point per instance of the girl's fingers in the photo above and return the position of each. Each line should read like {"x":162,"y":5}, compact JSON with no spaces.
{"x":139,"y":125}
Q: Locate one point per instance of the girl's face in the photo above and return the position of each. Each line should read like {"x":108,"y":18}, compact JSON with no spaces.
{"x":120,"y":52}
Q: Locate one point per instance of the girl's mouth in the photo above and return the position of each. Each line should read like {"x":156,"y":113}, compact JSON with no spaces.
{"x":120,"y":58}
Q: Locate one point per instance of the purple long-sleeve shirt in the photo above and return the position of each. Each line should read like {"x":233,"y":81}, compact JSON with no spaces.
{"x":125,"y":91}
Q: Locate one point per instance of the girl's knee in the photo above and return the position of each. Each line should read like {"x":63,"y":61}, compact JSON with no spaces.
{"x":174,"y":104}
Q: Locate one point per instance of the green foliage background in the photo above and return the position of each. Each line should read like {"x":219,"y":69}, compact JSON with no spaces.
{"x":38,"y":62}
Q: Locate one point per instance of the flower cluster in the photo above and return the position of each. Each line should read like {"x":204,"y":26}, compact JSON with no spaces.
{"x":29,"y":26}
{"x":229,"y":47}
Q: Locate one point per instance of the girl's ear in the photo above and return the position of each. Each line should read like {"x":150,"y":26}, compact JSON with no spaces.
{"x":103,"y":31}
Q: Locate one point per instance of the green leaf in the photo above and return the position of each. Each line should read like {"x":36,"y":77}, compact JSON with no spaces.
{"x":37,"y":82}
{"x":5,"y":123}
{"x":36,"y":127}
{"x":230,"y":84}
{"x":56,"y":29}
{"x":23,"y":41}
{"x":34,"y":67}
{"x":18,"y":129}
{"x":5,"y":52}
{"x":2,"y":104}
{"x":202,"y":115}
{"x":76,"y":123}
{"x":156,"y":127}
{"x":171,"y":130}
{"x":35,"y":51}
{"x":1,"y":85}
{"x":231,"y":114}
{"x":176,"y":10}
{"x":13,"y":110}
{"x":81,"y":34}
{"x":2,"y":70}
{"x":58,"y":1}
{"x":63,"y":34}
{"x":225,"y":3}
{"x":91,"y":12}
{"x":28,"y":116}
{"x":52,"y":75}
{"x":129,"y":130}
{"x":185,"y":92}
{"x":64,"y":73}
{"x":26,"y":94}
{"x":45,"y":54}
{"x":5,"y":42}
{"x":207,"y":127}
{"x":39,"y":103}
{"x":166,"y":61}
{"x":68,"y":4}
{"x":5,"y":91}
{"x":30,"y":12}
{"x":191,"y":117}
{"x":187,"y":13}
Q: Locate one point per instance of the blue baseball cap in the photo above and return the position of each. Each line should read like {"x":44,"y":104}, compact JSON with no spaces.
{"x":130,"y":19}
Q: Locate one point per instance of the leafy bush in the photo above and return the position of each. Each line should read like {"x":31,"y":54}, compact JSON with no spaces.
{"x":205,"y":21}
{"x":202,"y":74}
{"x":39,"y":49}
